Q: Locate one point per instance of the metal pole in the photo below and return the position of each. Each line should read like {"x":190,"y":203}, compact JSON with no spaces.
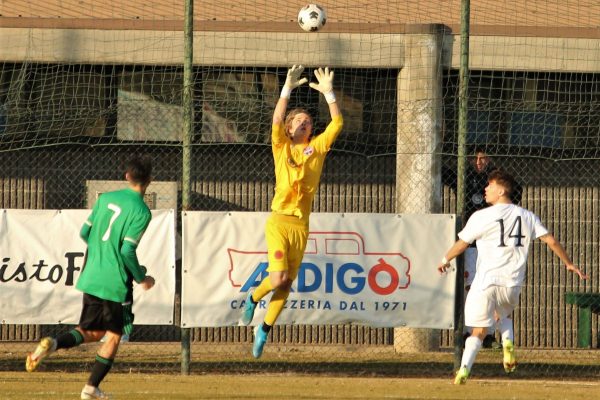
{"x":463,"y":98}
{"x":188,"y":131}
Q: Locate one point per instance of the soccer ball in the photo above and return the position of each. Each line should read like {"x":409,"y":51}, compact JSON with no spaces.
{"x":312,"y":17}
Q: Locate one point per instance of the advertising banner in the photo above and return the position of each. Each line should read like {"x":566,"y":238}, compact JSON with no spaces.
{"x":373,"y":269}
{"x":42,"y":256}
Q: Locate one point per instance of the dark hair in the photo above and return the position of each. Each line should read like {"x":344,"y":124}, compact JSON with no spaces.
{"x":139,"y":169}
{"x":503,"y":179}
{"x":475,"y":149}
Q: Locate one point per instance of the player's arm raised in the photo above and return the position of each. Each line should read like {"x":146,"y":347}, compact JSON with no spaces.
{"x":557,"y":249}
{"x":457,"y":249}
{"x":325,"y":86}
{"x":292,"y":81}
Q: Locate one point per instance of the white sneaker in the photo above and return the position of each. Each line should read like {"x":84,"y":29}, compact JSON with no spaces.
{"x":96,"y":394}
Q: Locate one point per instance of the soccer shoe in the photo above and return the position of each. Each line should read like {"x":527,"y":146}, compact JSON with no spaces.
{"x":260,"y":338}
{"x":96,"y":394}
{"x":509,"y":361}
{"x":46,"y":347}
{"x":461,"y":376}
{"x":249,"y":308}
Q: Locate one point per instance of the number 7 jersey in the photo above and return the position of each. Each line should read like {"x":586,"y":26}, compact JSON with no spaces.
{"x":503,"y":233}
{"x":112,"y":232}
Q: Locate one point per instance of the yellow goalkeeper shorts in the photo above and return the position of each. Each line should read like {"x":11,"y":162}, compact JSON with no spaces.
{"x":286,"y":241}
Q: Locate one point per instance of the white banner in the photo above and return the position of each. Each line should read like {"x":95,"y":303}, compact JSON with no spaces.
{"x":42,"y":255}
{"x":374,"y":269}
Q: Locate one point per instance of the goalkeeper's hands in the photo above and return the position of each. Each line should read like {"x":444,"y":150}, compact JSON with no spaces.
{"x":293,"y":80}
{"x":325,"y":83}
{"x":293,"y":77}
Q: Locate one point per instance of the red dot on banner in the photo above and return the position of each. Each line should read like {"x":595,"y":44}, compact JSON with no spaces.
{"x":278,"y":255}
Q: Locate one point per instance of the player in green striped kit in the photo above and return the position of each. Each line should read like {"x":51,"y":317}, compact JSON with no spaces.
{"x":112,"y":232}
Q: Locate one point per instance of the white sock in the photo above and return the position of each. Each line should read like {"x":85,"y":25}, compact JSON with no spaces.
{"x":506,"y":329}
{"x":472,"y":347}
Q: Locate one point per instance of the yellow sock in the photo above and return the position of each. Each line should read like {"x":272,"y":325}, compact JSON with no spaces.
{"x":276,"y":305}
{"x":263,"y":288}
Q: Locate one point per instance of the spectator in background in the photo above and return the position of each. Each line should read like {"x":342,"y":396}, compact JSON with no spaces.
{"x":479,"y":167}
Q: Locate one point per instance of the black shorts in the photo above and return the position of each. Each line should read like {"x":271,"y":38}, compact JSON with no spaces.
{"x":101,"y":315}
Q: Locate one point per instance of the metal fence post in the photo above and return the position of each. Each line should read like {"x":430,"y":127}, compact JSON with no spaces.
{"x":463,"y":98}
{"x":188,"y":127}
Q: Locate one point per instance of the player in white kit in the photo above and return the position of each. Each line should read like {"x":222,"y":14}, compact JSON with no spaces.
{"x":503,"y":233}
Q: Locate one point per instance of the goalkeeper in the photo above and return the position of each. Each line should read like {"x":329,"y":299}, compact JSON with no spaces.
{"x":299,"y":158}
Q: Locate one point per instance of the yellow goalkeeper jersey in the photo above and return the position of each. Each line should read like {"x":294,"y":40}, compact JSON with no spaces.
{"x":298,"y":169}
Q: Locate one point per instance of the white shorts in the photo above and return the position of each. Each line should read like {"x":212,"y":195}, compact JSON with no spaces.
{"x":470,"y":257}
{"x":481,"y":304}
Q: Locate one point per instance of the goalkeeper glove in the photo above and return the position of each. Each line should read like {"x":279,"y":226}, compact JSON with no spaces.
{"x":325,"y":85}
{"x":292,"y":81}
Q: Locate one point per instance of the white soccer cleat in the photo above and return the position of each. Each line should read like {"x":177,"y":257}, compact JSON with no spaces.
{"x":95,"y":394}
{"x":46,"y":347}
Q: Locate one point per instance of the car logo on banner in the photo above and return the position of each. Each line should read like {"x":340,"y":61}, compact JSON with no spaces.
{"x":334,"y":262}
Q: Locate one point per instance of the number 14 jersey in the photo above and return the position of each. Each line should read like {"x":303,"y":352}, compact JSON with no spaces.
{"x":503,"y":233}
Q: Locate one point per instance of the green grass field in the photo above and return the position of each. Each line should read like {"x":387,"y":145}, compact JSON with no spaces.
{"x":151,"y":371}
{"x":58,"y":385}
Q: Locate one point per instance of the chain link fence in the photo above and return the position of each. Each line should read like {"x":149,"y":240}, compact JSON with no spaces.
{"x":79,"y":100}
